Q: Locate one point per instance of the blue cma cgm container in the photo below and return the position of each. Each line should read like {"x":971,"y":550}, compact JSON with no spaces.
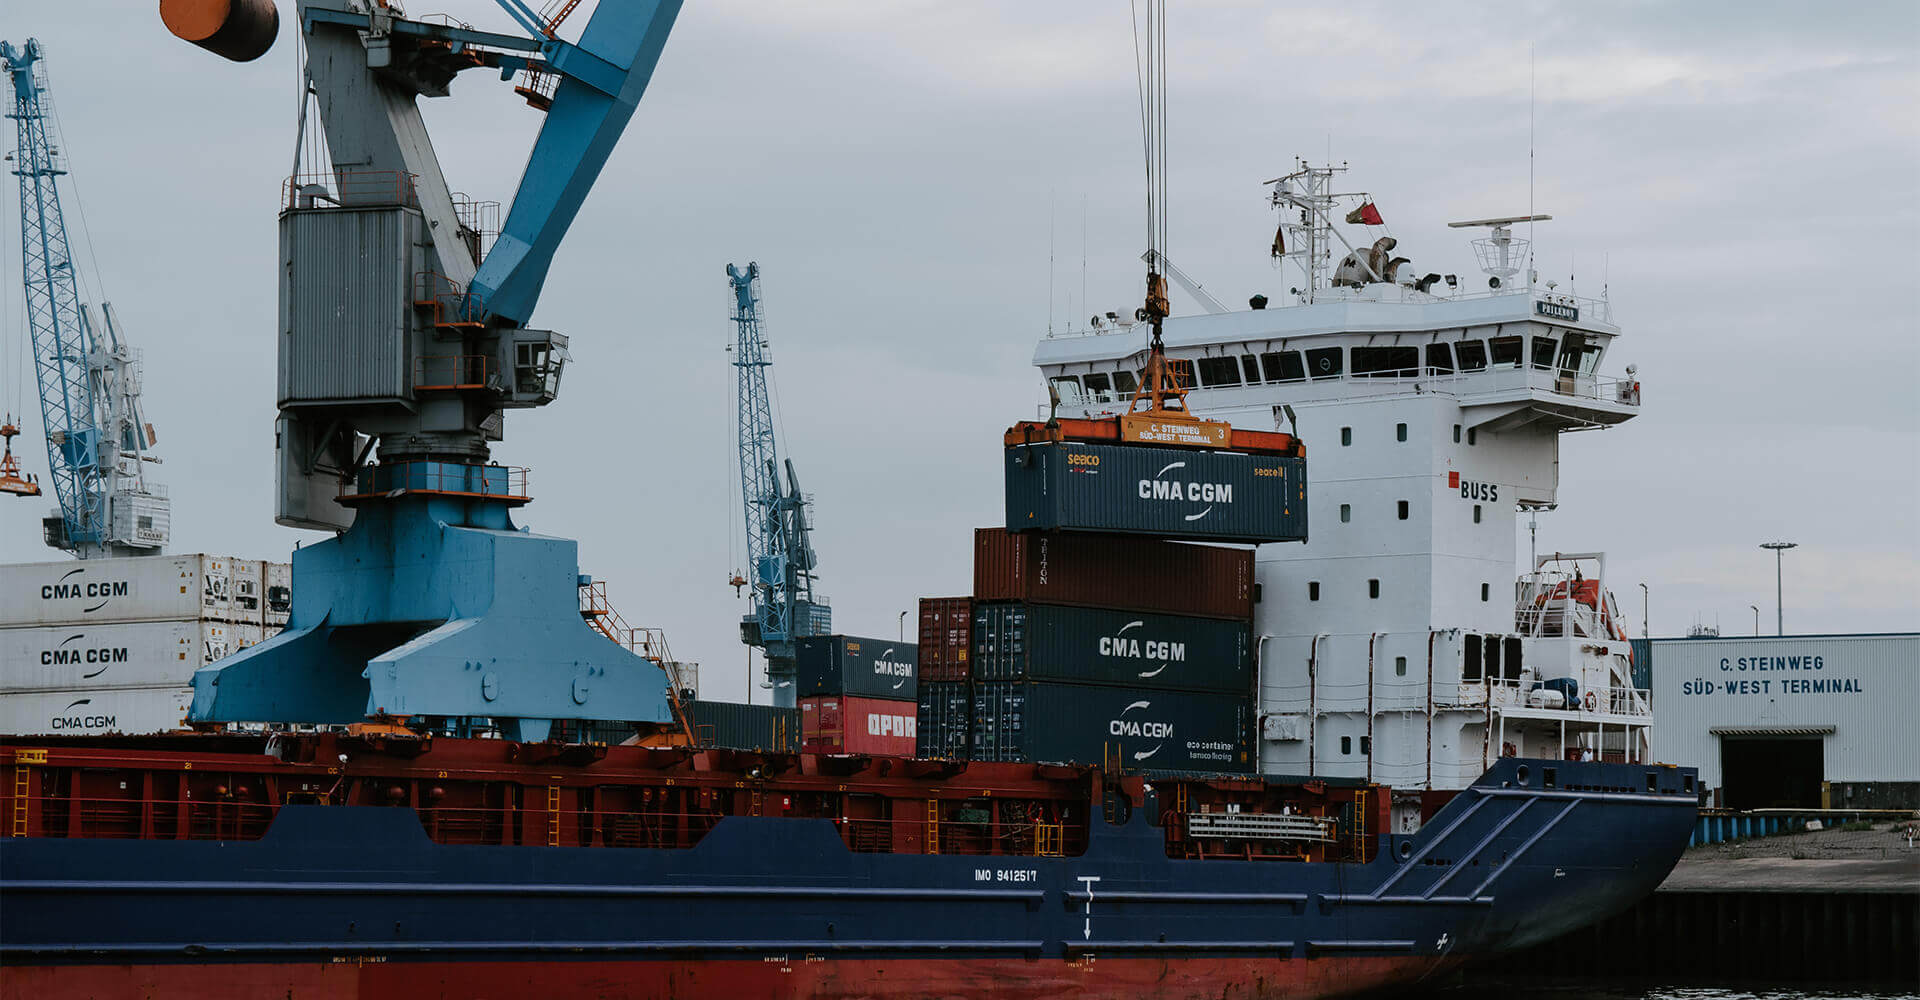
{"x":1079,"y":723}
{"x":1181,"y":493}
{"x":1097,"y":646}
{"x":850,"y":665}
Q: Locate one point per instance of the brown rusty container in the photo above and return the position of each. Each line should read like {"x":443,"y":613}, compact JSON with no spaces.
{"x":1113,"y":571}
{"x":240,"y":30}
{"x":946,"y":637}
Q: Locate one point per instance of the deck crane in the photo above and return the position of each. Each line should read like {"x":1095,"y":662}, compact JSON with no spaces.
{"x":427,"y":603}
{"x":89,"y":380}
{"x":779,"y":545}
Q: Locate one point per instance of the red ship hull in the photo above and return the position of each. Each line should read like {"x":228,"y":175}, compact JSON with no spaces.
{"x":802,"y":977}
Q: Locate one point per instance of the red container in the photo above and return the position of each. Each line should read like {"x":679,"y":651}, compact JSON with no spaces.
{"x":846,"y":724}
{"x":946,"y":634}
{"x":1121,"y":572}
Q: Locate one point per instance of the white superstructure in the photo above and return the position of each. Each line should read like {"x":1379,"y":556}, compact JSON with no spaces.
{"x":1396,"y":644}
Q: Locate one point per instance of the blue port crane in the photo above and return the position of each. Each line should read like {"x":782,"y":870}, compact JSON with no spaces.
{"x":97,"y":437}
{"x":428,"y":606}
{"x":780,"y":553}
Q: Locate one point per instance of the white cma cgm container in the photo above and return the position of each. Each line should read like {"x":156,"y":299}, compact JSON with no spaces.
{"x":133,"y":654}
{"x":150,"y":588}
{"x":134,"y":711}
{"x":277,"y":598}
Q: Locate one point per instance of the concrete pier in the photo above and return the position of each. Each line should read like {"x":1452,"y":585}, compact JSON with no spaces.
{"x":1830,"y":906}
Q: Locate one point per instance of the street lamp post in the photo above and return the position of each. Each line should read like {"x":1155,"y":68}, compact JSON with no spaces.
{"x":1779,"y":607}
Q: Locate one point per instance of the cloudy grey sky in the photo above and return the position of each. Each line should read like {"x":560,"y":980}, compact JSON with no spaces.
{"x":1743,"y":177}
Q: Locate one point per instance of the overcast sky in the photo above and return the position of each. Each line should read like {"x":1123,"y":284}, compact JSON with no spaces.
{"x":1743,"y":178}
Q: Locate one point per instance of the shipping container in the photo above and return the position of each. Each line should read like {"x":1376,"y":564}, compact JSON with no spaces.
{"x":1097,"y":646}
{"x":1113,"y":571}
{"x":852,"y":725}
{"x":845,"y":664}
{"x":744,"y":727}
{"x":946,"y":638}
{"x":139,"y":589}
{"x":1083,"y":723}
{"x":121,"y":655}
{"x":277,"y":596}
{"x":133,"y":711}
{"x":945,"y":724}
{"x":1164,"y":492}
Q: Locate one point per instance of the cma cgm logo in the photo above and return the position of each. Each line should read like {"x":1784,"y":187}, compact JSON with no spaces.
{"x":66,"y":654}
{"x":882,"y":724}
{"x":1470,"y":490}
{"x":68,"y":589}
{"x":1142,"y":727}
{"x":68,"y":721}
{"x":1162,"y":488}
{"x":885,"y":665}
{"x":1121,"y":644}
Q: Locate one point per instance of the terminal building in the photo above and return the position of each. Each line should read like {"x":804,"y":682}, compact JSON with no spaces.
{"x":1800,"y":721}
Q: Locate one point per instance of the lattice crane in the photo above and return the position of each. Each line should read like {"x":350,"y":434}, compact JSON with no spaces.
{"x":89,"y":380}
{"x":780,"y":553}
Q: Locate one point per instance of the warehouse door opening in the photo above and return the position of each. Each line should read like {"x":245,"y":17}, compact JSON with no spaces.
{"x":1772,"y":772}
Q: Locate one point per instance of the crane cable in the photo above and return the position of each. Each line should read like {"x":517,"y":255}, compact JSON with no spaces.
{"x":1150,"y":74}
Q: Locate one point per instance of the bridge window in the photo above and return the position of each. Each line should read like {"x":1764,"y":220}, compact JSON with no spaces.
{"x":1346,"y":513}
{"x":1218,"y":371}
{"x":1068,"y":388}
{"x":1440,"y":359}
{"x":1513,"y":657}
{"x":1472,"y":355}
{"x":1098,"y":385}
{"x":1491,"y":646}
{"x":1284,"y":366}
{"x":1387,"y":362}
{"x":1324,"y":362}
{"x":1250,"y":366}
{"x":1470,"y":659}
{"x":1505,"y":351}
{"x":1543,"y":350}
{"x":1125,"y":383}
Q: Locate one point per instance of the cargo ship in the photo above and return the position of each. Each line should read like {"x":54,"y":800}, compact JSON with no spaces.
{"x":413,"y":790}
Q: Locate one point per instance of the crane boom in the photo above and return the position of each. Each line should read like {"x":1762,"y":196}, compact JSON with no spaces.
{"x":1156,"y":259}
{"x":780,"y":554}
{"x":88,"y":379}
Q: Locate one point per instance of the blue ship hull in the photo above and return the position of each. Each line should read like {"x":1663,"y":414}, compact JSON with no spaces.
{"x":781,"y":907}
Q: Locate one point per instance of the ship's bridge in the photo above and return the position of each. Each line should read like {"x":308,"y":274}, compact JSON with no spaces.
{"x":1512,"y":358}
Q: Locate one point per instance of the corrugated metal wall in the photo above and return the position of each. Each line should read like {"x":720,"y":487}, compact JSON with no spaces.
{"x":344,"y":309}
{"x":1867,"y":687}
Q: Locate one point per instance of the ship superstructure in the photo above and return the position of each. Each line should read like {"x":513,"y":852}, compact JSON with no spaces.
{"x":1395,"y":644}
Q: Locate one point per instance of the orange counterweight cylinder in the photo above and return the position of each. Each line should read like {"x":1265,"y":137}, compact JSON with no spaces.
{"x":240,"y":30}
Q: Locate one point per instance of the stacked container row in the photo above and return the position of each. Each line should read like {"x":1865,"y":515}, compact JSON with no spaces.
{"x":110,"y":645}
{"x":146,"y":589}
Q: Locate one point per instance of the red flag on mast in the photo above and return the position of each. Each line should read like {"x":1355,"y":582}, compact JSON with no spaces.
{"x":1366,"y":213}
